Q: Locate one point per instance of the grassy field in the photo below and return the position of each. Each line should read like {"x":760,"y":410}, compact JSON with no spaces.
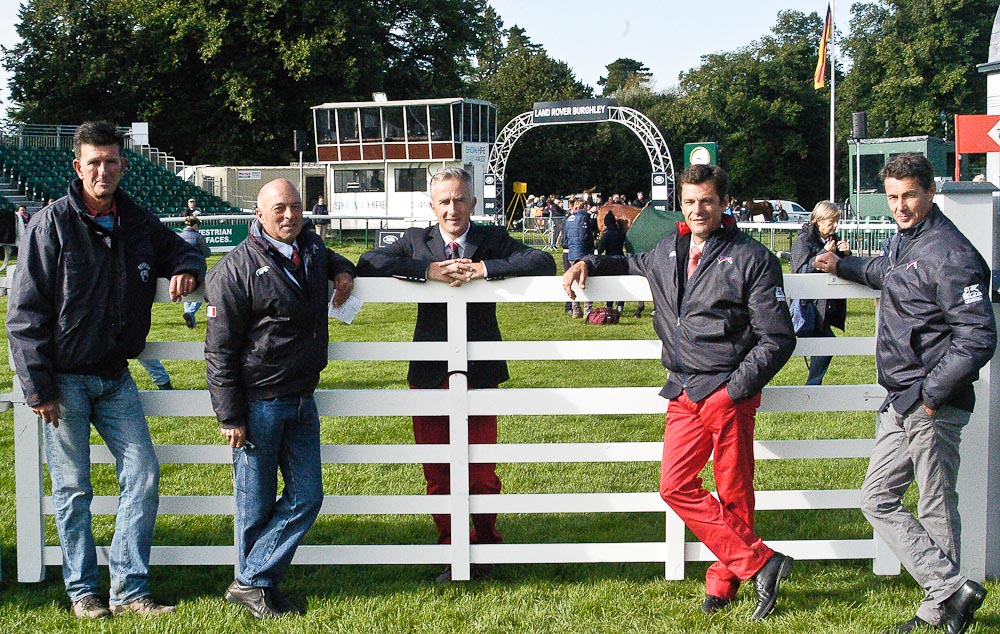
{"x":820,"y":597}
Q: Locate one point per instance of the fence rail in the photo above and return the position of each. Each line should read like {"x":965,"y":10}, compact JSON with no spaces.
{"x":33,"y":504}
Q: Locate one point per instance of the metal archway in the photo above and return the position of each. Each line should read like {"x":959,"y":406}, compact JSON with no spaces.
{"x":662,"y":177}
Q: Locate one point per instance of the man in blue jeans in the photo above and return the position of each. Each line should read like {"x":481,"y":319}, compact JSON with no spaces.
{"x":79,"y":309}
{"x":265,"y":346}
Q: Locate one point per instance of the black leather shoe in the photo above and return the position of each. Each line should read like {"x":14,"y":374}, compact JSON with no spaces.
{"x":282,"y":603}
{"x":916,"y":624}
{"x":766,"y":582}
{"x":258,"y":601}
{"x":959,"y":608}
{"x":713,"y":604}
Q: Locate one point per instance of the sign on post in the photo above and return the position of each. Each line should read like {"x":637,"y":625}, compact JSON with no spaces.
{"x":977,"y":133}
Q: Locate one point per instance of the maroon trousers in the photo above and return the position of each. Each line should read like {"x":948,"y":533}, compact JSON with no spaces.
{"x":483,"y":479}
{"x":725,"y":526}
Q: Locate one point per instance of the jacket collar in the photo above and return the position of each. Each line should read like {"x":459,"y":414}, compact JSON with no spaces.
{"x":129,"y":214}
{"x":436,"y":243}
{"x":726,"y":227}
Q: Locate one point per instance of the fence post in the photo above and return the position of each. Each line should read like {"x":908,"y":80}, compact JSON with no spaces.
{"x":28,"y":491}
{"x":458,"y":436}
{"x":973,"y":208}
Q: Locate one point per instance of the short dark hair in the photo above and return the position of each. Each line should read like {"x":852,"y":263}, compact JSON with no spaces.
{"x":909,"y":165}
{"x":698,"y":174}
{"x":97,"y":133}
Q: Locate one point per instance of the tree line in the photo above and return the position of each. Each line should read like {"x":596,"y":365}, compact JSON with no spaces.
{"x":226,"y":81}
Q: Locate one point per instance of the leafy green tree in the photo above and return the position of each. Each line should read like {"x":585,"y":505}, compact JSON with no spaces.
{"x":914,"y":61}
{"x":226,"y":81}
{"x":624,"y":72}
{"x":758,"y":103}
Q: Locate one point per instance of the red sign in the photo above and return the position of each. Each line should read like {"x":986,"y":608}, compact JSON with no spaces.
{"x":977,"y":133}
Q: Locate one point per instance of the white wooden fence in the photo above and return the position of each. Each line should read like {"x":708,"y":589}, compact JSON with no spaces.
{"x":33,"y":504}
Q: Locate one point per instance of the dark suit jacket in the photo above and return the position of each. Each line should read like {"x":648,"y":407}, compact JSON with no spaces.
{"x":408,"y":259}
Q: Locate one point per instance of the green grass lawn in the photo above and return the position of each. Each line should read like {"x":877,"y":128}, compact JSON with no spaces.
{"x":820,"y":596}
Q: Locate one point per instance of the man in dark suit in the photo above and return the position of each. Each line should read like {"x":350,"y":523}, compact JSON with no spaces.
{"x":456,"y":252}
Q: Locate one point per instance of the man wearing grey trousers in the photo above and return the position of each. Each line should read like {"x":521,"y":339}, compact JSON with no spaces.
{"x":935,"y":331}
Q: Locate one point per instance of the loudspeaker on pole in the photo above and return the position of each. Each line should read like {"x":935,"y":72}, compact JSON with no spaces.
{"x":859,"y":125}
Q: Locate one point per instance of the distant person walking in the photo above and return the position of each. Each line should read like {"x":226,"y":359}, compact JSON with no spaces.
{"x":192,"y":235}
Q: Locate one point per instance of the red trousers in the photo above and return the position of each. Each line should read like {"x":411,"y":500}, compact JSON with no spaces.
{"x":725,"y":526}
{"x":483,"y":479}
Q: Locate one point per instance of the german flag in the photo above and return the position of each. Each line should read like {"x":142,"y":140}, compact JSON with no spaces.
{"x":819,"y":77}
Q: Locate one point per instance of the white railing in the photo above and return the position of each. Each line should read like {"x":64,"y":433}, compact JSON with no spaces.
{"x":33,"y":505}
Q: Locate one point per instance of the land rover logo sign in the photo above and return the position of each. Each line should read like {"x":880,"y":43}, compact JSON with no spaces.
{"x":659,"y":179}
{"x":572,"y":111}
{"x":387,"y":237}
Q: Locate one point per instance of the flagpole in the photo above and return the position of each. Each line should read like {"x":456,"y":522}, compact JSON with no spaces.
{"x":833,"y":92}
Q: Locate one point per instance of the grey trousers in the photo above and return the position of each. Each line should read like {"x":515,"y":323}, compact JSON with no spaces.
{"x":921,"y":449}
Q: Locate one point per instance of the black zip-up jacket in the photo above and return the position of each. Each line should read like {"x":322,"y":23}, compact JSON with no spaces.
{"x":267,"y":336}
{"x":936,"y":326}
{"x":729,"y":323}
{"x":82,"y":295}
{"x":809,"y":244}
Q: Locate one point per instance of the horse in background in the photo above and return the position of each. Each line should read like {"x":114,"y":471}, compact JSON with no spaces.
{"x":623,"y":214}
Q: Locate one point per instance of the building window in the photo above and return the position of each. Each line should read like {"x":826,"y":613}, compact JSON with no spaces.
{"x":355,"y":181}
{"x":411,"y":179}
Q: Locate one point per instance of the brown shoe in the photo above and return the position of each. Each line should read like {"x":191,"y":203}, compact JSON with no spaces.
{"x":91,"y":607}
{"x":143,"y":606}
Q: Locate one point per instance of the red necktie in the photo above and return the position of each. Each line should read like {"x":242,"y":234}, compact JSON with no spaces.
{"x":453,"y":250}
{"x":693,"y":260}
{"x":296,"y":260}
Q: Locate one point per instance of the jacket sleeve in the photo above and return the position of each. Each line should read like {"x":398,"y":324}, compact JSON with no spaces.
{"x":30,"y":313}
{"x":174,"y":255}
{"x":867,"y":271}
{"x":772,"y":328}
{"x":230,"y":307}
{"x":203,"y":246}
{"x":632,"y":264}
{"x":802,"y":255}
{"x":395,"y":260}
{"x":962,"y":293}
{"x":515,"y":259}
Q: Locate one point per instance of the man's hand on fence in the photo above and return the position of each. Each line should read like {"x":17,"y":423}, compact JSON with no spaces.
{"x":826,"y":262}
{"x":180,"y":285}
{"x":576,"y":273}
{"x":48,"y":412}
{"x":343,"y":285}
{"x":235,"y":435}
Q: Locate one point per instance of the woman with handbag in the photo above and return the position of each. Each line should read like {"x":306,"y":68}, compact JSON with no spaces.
{"x":819,"y":236}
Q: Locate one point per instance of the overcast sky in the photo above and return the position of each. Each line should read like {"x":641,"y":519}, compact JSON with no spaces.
{"x":669,"y":36}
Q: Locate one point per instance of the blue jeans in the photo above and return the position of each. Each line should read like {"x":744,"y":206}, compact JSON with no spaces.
{"x":819,"y":365}
{"x":284,"y":434}
{"x":156,"y":371}
{"x":114,"y":409}
{"x":191,"y":307}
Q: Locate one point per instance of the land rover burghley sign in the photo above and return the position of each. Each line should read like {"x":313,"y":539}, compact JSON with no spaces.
{"x":572,"y":111}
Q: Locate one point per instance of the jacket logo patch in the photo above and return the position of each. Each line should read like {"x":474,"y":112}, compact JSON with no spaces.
{"x":211,"y":311}
{"x":673,"y":254}
{"x":972,"y":294}
{"x":728,"y":259}
{"x":779,"y":293}
{"x":912,"y":264}
{"x":144,"y":270}
{"x":262,"y":270}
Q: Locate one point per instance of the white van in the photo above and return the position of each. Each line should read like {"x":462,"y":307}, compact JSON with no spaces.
{"x":796,"y":212}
